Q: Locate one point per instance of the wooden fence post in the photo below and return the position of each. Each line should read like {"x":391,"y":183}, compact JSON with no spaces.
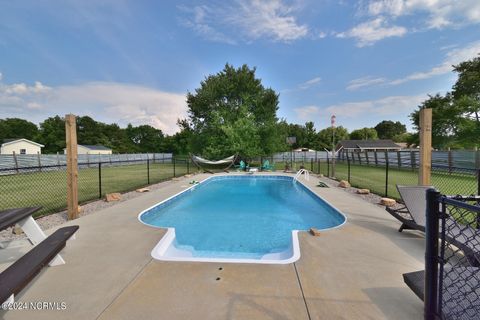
{"x":425,"y":168}
{"x":72,"y":166}
{"x":366,"y":157}
{"x":16,"y":160}
{"x":413,"y":162}
{"x":477,"y":158}
{"x":39,"y":161}
{"x":399,"y":159}
{"x":450,"y":160}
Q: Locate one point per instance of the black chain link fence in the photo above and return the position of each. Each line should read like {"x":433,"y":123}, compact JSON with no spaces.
{"x":46,"y":186}
{"x":452,"y":270}
{"x":380,"y":173}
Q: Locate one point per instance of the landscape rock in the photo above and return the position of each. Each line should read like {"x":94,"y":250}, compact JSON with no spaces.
{"x":113,"y":197}
{"x":143,"y":190}
{"x":363,"y":191}
{"x":314,"y":232}
{"x":344,"y":184}
{"x":17,"y":230}
{"x":387,"y":202}
{"x":79,"y":209}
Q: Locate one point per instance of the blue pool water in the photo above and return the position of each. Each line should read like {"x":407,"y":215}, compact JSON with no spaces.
{"x":242,"y":216}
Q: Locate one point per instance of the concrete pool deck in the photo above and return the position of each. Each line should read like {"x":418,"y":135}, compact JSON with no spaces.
{"x":354,"y":272}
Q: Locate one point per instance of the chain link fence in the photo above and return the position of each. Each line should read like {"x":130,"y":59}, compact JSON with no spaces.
{"x":452,"y":268}
{"x":381,"y":172}
{"x":46,"y":186}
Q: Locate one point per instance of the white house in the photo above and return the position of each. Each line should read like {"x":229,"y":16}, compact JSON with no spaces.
{"x":20,"y":146}
{"x":89,"y":149}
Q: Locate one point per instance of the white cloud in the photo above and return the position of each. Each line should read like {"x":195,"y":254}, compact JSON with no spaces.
{"x":253,"y":19}
{"x":385,"y":106}
{"x":321,"y":35}
{"x":310,"y":83}
{"x":24,"y":89}
{"x":199,"y":22}
{"x":34,"y":106}
{"x":441,"y":13}
{"x":307,"y":112}
{"x":388,"y":106}
{"x":105,"y":101}
{"x":367,"y":33}
{"x":452,"y":58}
{"x":271,"y":19}
{"x":368,"y":81}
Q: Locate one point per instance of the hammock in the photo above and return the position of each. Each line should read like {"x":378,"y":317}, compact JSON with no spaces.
{"x":199,"y":160}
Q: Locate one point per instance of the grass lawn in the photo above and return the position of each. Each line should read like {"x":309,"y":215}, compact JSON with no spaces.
{"x":48,"y":189}
{"x":374,"y":178}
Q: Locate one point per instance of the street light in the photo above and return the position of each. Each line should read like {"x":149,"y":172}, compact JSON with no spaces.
{"x":332,"y":121}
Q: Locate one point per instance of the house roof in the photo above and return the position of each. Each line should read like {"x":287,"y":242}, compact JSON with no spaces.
{"x":92,"y":147}
{"x":368,"y":144}
{"x":12,"y":141}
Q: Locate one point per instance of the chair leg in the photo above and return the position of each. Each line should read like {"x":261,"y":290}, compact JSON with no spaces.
{"x":403,"y":226}
{"x":36,"y":235}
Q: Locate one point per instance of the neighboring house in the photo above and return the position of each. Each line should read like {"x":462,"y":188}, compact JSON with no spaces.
{"x":367,"y":145}
{"x":20,"y":146}
{"x":89,"y":149}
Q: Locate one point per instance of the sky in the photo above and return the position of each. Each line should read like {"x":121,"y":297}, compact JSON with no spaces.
{"x":134,"y":61}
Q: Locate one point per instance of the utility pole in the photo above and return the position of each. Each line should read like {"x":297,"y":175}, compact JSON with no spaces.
{"x":332,"y":120}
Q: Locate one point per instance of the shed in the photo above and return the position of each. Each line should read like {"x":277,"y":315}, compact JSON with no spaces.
{"x":367,"y":145}
{"x":91,"y":149}
{"x":20,"y":146}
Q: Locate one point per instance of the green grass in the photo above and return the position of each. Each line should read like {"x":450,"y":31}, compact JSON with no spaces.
{"x":48,"y":189}
{"x":373,"y":178}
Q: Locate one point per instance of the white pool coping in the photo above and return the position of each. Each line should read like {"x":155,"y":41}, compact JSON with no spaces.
{"x":165,"y":250}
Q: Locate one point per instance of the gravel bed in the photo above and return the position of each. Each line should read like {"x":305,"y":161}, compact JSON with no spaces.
{"x":59,"y":218}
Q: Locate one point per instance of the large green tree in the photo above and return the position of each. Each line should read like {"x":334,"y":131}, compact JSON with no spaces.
{"x":90,"y":132}
{"x":146,"y":138}
{"x":446,"y":117}
{"x":15,"y":128}
{"x":364,"y":134}
{"x":466,"y":90}
{"x":52,"y":134}
{"x":230,"y":105}
{"x":388,"y":129}
{"x":325,"y":137}
{"x":456,"y":115}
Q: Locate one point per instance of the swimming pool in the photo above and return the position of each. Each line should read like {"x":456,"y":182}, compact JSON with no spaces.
{"x":252,"y":219}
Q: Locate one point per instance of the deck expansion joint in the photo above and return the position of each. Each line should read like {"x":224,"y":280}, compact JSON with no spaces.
{"x":301,"y":289}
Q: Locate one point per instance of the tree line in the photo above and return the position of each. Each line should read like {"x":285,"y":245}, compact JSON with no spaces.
{"x":456,"y":114}
{"x":230,"y":113}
